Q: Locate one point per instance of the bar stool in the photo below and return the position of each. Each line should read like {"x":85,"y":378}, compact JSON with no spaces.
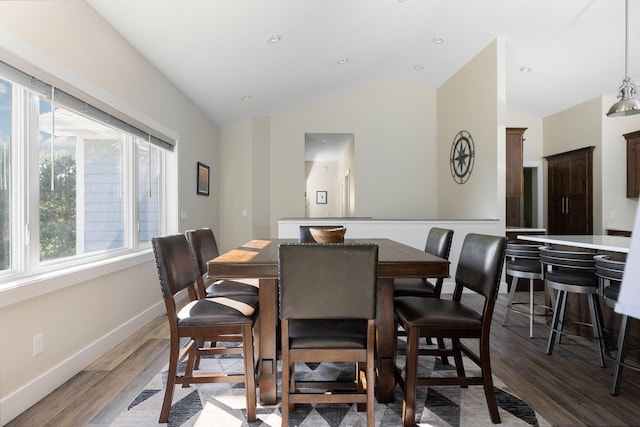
{"x":610,"y":273}
{"x":572,"y":272}
{"x":523,"y":262}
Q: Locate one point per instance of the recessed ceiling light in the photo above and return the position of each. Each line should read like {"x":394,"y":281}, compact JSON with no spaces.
{"x":438,"y":40}
{"x":274,"y":38}
{"x":402,"y":1}
{"x":418,"y":67}
{"x":245,"y":98}
{"x":525,"y":69}
{"x":343,"y":61}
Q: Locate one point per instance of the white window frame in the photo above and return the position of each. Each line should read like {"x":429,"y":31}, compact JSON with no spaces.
{"x":26,"y":277}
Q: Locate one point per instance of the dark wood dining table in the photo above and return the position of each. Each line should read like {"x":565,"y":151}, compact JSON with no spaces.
{"x":259,"y":259}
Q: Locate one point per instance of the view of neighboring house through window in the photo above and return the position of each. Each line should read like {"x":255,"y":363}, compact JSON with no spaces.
{"x":149,"y":157}
{"x":99,"y":185}
{"x":5,"y":175}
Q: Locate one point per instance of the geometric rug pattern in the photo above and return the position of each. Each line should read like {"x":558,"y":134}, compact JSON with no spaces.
{"x":224,"y":404}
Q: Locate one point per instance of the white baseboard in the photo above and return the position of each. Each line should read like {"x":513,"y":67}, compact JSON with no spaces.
{"x":22,"y":399}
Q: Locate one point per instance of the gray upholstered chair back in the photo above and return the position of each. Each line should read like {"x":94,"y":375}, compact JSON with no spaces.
{"x":557,"y":258}
{"x":480,"y":265}
{"x":439,"y":242}
{"x":174,"y":264}
{"x":305,"y":235}
{"x":334,"y":281}
{"x":519,"y":251}
{"x":203,"y":247}
{"x":608,"y":269}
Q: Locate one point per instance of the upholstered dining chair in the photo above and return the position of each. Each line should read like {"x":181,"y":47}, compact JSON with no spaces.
{"x":438,"y":244}
{"x":327,"y":312}
{"x":202,"y":243}
{"x":479,"y":270}
{"x":199,"y":320}
{"x":523,"y":262}
{"x":610,"y":273}
{"x":568,"y":272}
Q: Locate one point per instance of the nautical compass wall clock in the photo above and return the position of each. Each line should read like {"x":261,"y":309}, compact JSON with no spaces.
{"x":462,"y":156}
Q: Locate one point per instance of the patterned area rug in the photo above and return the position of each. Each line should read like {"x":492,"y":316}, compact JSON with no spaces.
{"x":224,"y":404}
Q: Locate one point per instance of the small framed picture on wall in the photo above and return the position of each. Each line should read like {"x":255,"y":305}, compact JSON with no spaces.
{"x":202,"y":175}
{"x":321,"y":197}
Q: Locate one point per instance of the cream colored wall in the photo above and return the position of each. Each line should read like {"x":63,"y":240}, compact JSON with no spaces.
{"x":261,"y":172}
{"x":473,"y":100}
{"x":322,"y":176}
{"x":532,"y":147}
{"x":393,"y":122}
{"x":236,"y":184}
{"x":617,"y":210}
{"x":346,"y":165}
{"x":578,"y":127}
{"x":69,"y":40}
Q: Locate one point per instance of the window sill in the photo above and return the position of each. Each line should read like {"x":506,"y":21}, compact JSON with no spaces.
{"x":35,"y":286}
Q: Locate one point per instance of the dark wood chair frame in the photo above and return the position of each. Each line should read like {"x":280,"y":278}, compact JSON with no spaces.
{"x":177,"y":273}
{"x":324,"y":307}
{"x":439,"y":244}
{"x":486,"y":251}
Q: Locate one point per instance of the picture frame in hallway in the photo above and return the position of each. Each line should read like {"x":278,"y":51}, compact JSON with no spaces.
{"x":321,"y":197}
{"x":202,"y":179}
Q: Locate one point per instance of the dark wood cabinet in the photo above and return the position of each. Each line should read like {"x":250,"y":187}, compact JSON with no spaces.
{"x":633,"y":164}
{"x":570,"y":192}
{"x":514,"y":175}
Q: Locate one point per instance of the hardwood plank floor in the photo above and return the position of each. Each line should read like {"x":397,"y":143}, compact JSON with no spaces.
{"x":567,"y":388}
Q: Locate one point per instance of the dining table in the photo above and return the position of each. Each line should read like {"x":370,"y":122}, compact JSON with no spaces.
{"x":258,"y":259}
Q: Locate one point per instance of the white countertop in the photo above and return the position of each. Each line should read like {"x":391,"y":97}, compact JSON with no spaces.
{"x":597,"y":242}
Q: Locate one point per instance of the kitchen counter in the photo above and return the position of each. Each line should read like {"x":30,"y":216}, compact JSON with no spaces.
{"x":598,"y":242}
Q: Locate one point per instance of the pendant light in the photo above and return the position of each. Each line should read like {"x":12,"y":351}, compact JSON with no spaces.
{"x":627,"y":105}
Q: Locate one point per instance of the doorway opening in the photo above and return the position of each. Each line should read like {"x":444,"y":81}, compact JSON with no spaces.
{"x":532,"y":203}
{"x":329,"y":175}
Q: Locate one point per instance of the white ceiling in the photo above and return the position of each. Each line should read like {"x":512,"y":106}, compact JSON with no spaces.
{"x":216,"y":51}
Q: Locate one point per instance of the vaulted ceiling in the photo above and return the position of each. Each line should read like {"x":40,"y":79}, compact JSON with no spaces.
{"x":253,"y":58}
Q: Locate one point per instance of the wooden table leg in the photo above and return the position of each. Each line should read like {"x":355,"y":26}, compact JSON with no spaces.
{"x":385,"y":342}
{"x":267,"y":342}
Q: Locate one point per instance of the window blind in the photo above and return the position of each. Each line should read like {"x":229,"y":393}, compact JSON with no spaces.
{"x":62,"y":98}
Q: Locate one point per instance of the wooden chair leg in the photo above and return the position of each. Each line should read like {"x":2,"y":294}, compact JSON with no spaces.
{"x":284,"y":407}
{"x":171,"y":380}
{"x":444,"y":359}
{"x":457,"y":357}
{"x":249,"y":373}
{"x":361,"y":370}
{"x":487,"y":380}
{"x":371,"y":374}
{"x":192,"y":359}
{"x":410,"y":378}
{"x":292,"y":384}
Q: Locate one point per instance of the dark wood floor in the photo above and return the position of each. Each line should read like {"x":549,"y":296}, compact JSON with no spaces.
{"x":567,"y":388}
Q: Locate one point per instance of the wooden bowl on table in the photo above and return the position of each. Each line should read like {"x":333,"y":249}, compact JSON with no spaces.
{"x":328,"y":235}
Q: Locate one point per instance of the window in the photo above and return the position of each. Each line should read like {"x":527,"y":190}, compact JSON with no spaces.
{"x":76,"y":183}
{"x":5,"y":174}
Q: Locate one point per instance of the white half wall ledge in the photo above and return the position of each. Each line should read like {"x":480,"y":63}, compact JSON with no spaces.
{"x":410,"y":232}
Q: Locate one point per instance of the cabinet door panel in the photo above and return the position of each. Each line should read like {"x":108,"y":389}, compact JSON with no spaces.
{"x":570,"y":198}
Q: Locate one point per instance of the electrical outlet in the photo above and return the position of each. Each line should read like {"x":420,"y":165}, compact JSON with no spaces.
{"x":38,"y":344}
